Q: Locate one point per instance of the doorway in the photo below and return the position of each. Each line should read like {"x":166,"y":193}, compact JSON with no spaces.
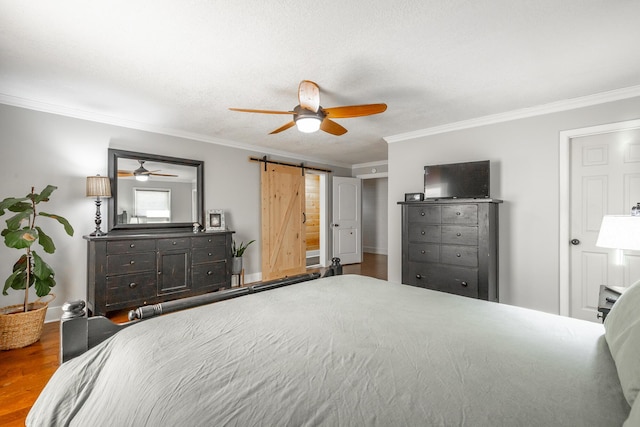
{"x":599,"y":175}
{"x":314,"y":217}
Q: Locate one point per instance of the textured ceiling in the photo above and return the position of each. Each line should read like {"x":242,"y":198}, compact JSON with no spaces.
{"x":178,"y":65}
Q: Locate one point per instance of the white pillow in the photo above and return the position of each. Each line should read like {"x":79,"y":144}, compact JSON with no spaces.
{"x":622,"y":332}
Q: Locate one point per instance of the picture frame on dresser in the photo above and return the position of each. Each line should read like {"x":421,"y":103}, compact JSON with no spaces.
{"x":215,"y":220}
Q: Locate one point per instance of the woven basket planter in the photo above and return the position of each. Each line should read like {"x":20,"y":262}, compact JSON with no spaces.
{"x":19,"y":329}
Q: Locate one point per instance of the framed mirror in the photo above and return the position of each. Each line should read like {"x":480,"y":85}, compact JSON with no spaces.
{"x":154,"y":192}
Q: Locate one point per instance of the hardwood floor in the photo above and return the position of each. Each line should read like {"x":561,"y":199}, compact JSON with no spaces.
{"x":25,"y":371}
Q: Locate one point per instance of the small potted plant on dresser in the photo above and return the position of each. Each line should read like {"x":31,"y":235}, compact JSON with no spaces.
{"x":21,"y":325}
{"x":236,"y":253}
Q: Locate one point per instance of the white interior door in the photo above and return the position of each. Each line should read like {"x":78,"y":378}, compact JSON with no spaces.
{"x":347,"y":219}
{"x":605,"y":180}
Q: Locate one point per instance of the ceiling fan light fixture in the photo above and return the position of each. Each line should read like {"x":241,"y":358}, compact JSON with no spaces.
{"x":308,"y":124}
{"x":141,"y":174}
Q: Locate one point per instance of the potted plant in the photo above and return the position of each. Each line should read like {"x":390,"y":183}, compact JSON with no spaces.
{"x":237,"y":252}
{"x":21,"y":325}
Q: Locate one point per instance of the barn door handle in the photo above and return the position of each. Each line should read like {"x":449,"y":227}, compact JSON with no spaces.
{"x":304,"y":218}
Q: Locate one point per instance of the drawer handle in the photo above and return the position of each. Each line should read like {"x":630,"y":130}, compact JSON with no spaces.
{"x":174,"y":243}
{"x":458,"y":213}
{"x":209,"y":240}
{"x":418,"y":276}
{"x":465,"y":284}
{"x":132,"y":285}
{"x":210,"y":254}
{"x":422,"y":252}
{"x":422,"y":232}
{"x":458,"y":255}
{"x":133,"y":245}
{"x":209,"y":273}
{"x":421,"y":213}
{"x":132,"y":262}
{"x":458,"y":234}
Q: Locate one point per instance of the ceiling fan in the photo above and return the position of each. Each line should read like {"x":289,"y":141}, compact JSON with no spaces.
{"x":309,"y":116}
{"x":142,"y":174}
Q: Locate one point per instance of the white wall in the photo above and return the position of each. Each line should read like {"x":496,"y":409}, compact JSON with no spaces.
{"x":524,"y":157}
{"x":39,"y":148}
{"x":375,"y":196}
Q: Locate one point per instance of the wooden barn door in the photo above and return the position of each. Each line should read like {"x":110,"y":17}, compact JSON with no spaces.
{"x":283,"y":229}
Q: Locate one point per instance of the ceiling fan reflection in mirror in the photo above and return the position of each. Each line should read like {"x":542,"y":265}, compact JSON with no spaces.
{"x":309,"y":116}
{"x":142,"y":174}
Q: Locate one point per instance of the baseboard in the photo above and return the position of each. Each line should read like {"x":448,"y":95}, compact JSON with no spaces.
{"x":374,"y":250}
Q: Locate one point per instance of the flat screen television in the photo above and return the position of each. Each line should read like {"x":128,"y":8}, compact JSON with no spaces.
{"x":468,"y":180}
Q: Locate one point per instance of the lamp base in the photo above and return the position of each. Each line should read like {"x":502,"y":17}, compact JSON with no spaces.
{"x":98,"y":231}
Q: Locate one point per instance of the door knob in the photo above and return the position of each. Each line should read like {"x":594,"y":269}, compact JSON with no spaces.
{"x":575,"y":242}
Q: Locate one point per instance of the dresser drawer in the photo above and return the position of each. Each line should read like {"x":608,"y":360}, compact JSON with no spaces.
{"x":459,"y":235}
{"x":426,"y":214}
{"x":424,"y":252}
{"x":214,"y":253}
{"x":460,"y":281}
{"x":466,"y":256}
{"x":129,"y":246}
{"x":131,"y":263}
{"x":180,"y":243}
{"x":455,"y":280}
{"x":209,"y":275}
{"x":424,"y":233}
{"x":208,"y":240}
{"x":460,"y":214}
{"x":131,"y":287}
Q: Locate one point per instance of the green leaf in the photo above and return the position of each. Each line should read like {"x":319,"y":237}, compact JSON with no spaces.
{"x":15,"y":222}
{"x":67,"y":227}
{"x":45,"y":241}
{"x":41,"y":269}
{"x":10,"y":202}
{"x":13,"y":280}
{"x":44,"y":194}
{"x":20,"y":239}
{"x":44,"y":276}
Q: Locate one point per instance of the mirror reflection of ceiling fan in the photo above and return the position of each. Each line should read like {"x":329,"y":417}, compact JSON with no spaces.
{"x":309,"y":116}
{"x":142,"y":174}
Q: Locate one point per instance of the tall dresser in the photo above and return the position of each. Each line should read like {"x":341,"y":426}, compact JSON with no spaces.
{"x":451,"y":245}
{"x":128,"y":270}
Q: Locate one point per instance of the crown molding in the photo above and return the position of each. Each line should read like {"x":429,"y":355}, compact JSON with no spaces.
{"x":370,"y":164}
{"x":554,"y":107}
{"x":130,"y":124}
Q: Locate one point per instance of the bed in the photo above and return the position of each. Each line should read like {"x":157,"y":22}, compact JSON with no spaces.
{"x":353,"y":350}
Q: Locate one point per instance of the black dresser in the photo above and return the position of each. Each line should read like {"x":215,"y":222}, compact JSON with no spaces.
{"x":128,"y":270}
{"x":451,"y":245}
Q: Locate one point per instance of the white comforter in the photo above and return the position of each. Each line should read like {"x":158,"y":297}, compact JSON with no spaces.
{"x":342,"y":351}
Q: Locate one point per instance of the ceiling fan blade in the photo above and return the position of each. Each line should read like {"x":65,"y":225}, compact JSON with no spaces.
{"x":332,"y":127}
{"x":354,"y":110}
{"x":246,"y":110}
{"x":125,"y":173}
{"x":283,"y":127}
{"x":161,"y":174}
{"x":309,"y":95}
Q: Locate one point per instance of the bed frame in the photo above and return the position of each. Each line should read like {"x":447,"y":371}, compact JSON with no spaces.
{"x":79,"y":333}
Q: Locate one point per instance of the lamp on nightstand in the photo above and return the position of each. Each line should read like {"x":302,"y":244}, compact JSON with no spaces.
{"x":620,"y":232}
{"x":98,"y":186}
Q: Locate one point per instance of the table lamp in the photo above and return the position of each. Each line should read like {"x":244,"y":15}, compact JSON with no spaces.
{"x":620,"y":232}
{"x":98,"y":186}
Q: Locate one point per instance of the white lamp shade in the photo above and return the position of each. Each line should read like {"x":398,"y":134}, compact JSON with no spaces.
{"x":98,"y":186}
{"x":620,"y":232}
